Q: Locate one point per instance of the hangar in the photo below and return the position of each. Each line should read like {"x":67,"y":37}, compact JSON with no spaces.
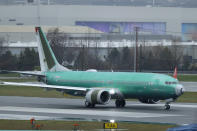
{"x":105,"y":22}
{"x":107,"y":19}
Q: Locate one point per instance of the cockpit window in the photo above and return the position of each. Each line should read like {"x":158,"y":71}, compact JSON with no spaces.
{"x":170,"y":82}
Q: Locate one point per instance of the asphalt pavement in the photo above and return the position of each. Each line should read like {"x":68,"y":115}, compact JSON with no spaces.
{"x":24,"y":108}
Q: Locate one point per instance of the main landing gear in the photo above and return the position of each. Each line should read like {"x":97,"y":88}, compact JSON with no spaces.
{"x":120,"y":103}
{"x":89,"y":105}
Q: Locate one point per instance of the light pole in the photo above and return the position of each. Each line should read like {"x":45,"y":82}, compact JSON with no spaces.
{"x":153,"y":3}
{"x":136,"y":50}
{"x":38,"y":12}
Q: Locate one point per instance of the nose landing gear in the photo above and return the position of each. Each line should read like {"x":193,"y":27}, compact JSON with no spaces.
{"x":167,"y":105}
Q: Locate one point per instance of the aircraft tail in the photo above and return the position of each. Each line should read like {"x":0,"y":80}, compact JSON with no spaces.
{"x":48,"y":61}
{"x":175,"y":73}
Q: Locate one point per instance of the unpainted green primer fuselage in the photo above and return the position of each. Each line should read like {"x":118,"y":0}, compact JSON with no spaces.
{"x":131,"y":85}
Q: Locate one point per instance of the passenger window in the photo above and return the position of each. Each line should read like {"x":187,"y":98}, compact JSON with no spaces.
{"x":169,"y":83}
{"x":174,"y":82}
{"x":150,"y":83}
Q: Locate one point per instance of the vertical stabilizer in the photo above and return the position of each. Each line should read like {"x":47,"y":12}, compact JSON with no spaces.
{"x":175,"y":73}
{"x":48,"y":61}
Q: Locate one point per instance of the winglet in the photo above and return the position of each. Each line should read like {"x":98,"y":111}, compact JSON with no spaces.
{"x":175,"y":73}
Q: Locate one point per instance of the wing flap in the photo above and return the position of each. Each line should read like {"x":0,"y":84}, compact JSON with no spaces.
{"x":44,"y":86}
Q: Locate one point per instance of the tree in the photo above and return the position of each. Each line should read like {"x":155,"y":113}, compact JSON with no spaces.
{"x":81,"y":60}
{"x":114,"y":58}
{"x":166,"y":59}
{"x":186,"y":62}
{"x":8,"y":61}
{"x":177,"y":52}
{"x":148,"y":61}
{"x":126,"y":59}
{"x":28,"y":59}
{"x":56,"y":41}
{"x":62,"y":47}
{"x":2,"y":40}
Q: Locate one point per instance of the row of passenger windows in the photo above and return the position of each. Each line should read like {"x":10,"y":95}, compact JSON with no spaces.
{"x":169,"y":83}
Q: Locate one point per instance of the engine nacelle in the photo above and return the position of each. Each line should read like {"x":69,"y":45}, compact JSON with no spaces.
{"x":98,"y":96}
{"x":148,"y":100}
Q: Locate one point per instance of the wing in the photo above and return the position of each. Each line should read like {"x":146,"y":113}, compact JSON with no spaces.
{"x":45,"y":86}
{"x":33,"y":73}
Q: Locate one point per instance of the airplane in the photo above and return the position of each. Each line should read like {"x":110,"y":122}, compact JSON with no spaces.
{"x":101,"y":87}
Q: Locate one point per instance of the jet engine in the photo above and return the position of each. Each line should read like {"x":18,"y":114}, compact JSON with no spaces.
{"x":98,"y":96}
{"x":148,"y":100}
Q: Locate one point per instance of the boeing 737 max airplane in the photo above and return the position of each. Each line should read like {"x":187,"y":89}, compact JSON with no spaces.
{"x":100,"y":87}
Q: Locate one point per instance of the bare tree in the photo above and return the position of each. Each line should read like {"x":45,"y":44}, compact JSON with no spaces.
{"x":2,"y":40}
{"x":177,"y":51}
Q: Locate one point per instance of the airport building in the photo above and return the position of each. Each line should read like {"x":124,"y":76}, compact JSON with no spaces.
{"x":108,"y":19}
{"x":101,"y":22}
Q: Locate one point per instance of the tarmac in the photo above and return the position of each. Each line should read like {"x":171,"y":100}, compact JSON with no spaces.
{"x":190,"y":86}
{"x":24,"y":108}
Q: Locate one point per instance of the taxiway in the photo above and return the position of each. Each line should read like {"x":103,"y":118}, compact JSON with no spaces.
{"x":190,"y":86}
{"x":24,"y":108}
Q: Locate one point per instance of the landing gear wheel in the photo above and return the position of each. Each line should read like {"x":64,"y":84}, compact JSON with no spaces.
{"x":167,"y":107}
{"x":117,"y":103}
{"x":89,"y":105}
{"x":120,"y":103}
{"x":92,"y":106}
{"x":123,"y":103}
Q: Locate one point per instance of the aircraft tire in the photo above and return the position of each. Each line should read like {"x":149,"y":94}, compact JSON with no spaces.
{"x":117,"y":103}
{"x":120,"y":103}
{"x":89,"y":105}
{"x":92,"y":106}
{"x":123,"y":103}
{"x":167,"y":107}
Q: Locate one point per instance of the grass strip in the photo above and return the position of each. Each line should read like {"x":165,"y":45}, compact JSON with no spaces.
{"x":83,"y":125}
{"x":32,"y":79}
{"x":189,"y":97}
{"x":32,"y":92}
{"x":187,"y":78}
{"x":9,"y":74}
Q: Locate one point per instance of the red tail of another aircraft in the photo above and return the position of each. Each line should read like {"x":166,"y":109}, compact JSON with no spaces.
{"x":175,"y":73}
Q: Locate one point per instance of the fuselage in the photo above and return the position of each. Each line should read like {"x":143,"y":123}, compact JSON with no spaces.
{"x":131,"y":85}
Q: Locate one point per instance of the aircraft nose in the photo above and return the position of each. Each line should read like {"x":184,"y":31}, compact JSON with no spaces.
{"x":179,"y":89}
